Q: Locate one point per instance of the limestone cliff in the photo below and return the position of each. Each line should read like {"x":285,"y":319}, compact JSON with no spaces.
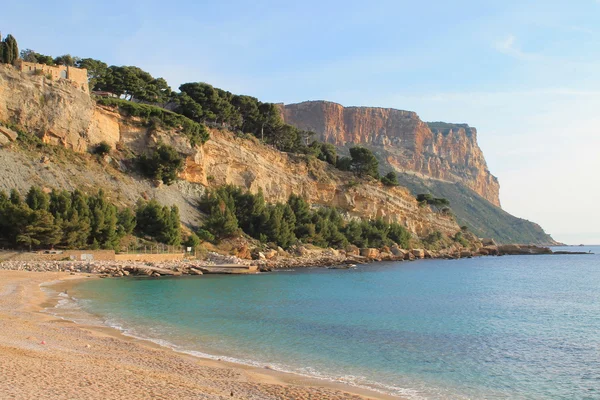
{"x":64,"y":116}
{"x":442,"y":151}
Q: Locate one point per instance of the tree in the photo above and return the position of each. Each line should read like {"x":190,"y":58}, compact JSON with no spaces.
{"x":126,"y":221}
{"x":66,"y":60}
{"x":41,"y":230}
{"x":28,"y":55}
{"x":438,"y":203}
{"x":221,"y":221}
{"x":10,"y":50}
{"x":390,"y":179}
{"x":37,"y":200}
{"x":98,"y":73}
{"x":192,"y":241}
{"x":164,"y":164}
{"x":364,"y":162}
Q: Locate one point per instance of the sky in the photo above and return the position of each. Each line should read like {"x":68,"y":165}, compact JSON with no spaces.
{"x":525,"y":73}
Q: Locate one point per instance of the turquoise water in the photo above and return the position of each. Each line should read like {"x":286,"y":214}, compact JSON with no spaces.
{"x":518,"y":327}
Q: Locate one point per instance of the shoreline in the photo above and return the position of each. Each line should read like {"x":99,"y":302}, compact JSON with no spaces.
{"x":22,"y":305}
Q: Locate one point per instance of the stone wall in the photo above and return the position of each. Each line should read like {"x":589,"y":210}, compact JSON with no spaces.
{"x":150,"y":257}
{"x":78,"y":76}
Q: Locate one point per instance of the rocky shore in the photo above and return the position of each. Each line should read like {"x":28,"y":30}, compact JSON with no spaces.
{"x":263,"y":261}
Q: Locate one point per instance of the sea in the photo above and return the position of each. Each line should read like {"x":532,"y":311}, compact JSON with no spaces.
{"x":511,"y":327}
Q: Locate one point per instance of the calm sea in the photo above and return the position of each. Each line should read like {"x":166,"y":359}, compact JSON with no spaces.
{"x":518,"y":327}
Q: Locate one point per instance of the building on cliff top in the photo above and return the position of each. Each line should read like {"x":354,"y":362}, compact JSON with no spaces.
{"x":77,"y":76}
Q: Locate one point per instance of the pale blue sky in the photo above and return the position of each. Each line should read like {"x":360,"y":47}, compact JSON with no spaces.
{"x":525,"y":73}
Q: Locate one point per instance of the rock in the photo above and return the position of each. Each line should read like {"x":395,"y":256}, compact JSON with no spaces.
{"x":352,"y":250}
{"x":515,"y":249}
{"x":243,"y":252}
{"x":409,"y":256}
{"x":7,"y":134}
{"x":301,"y":250}
{"x":389,"y":130}
{"x":418,"y":253}
{"x":332,"y":252}
{"x":488,"y":242}
{"x":398,"y":252}
{"x":270,"y":254}
{"x":466,"y":254}
{"x":369,"y":253}
{"x":491,"y":250}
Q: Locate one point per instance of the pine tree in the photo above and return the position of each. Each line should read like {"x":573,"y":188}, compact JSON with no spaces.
{"x":36,"y":199}
{"x":221,"y":221}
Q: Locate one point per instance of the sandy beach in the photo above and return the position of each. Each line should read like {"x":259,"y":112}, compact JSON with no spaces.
{"x":45,"y":357}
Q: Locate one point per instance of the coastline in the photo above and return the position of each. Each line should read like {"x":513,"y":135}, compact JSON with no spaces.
{"x":45,"y":356}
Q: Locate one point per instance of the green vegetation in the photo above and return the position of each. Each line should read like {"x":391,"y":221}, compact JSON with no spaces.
{"x":231,"y":211}
{"x":159,"y":223}
{"x":483,"y":218}
{"x":438,"y":203}
{"x":102,"y":149}
{"x":77,"y":221}
{"x":194,"y":131}
{"x":9,"y":50}
{"x":390,"y":179}
{"x":362,"y":162}
{"x":164,"y":164}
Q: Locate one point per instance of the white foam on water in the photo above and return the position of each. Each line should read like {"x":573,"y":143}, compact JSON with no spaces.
{"x":71,"y":309}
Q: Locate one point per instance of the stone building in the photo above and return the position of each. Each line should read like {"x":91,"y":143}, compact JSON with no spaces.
{"x":78,"y":76}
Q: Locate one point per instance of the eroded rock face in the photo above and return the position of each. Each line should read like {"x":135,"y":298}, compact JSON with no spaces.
{"x":225,"y":159}
{"x":400,"y":138}
{"x":63,"y":115}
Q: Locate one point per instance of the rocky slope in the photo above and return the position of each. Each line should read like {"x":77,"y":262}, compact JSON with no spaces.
{"x":442,"y":151}
{"x":62,"y":115}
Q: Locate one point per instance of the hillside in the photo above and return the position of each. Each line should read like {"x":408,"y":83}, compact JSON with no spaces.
{"x":482,"y":218}
{"x":402,"y":140}
{"x":439,"y":158}
{"x":66,"y":118}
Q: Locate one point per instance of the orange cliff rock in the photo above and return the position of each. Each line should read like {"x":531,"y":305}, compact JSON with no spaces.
{"x":441,"y":151}
{"x":65,"y":116}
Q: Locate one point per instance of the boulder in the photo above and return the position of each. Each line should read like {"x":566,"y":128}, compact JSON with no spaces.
{"x":332,"y":252}
{"x":418,"y":253}
{"x":194,"y":271}
{"x":243,"y":252}
{"x":352,"y":250}
{"x":488,"y":242}
{"x":490,"y":250}
{"x":398,"y":252}
{"x":465,"y":254}
{"x":369,"y":253}
{"x":8,"y":134}
{"x":270,"y":254}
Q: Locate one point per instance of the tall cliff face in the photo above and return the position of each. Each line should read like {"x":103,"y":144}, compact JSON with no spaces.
{"x":442,"y":151}
{"x":62,"y":115}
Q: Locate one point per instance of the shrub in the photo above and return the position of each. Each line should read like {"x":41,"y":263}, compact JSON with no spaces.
{"x":390,"y":179}
{"x":102,"y":149}
{"x":164,"y":164}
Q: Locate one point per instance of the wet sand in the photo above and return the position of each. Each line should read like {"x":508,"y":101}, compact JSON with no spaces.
{"x":45,"y":357}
